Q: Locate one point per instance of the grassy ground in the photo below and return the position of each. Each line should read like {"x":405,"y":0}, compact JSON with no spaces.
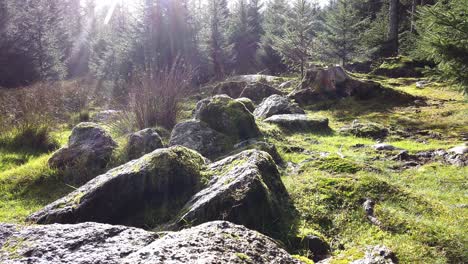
{"x":422,"y":210}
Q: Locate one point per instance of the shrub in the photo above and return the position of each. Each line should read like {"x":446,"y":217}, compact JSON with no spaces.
{"x":155,"y":96}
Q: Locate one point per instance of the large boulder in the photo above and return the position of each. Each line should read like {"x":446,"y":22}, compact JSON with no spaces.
{"x":258,"y":145}
{"x":210,"y":243}
{"x":245,"y":189}
{"x":230,"y":88}
{"x":227,"y":116}
{"x":143,"y":192}
{"x":259,"y":91}
{"x":197,"y":135}
{"x":143,"y":142}
{"x":369,"y":130}
{"x":89,"y":147}
{"x":81,"y":244}
{"x":276,"y":105}
{"x":398,"y":67}
{"x":296,"y":122}
{"x":377,"y":255}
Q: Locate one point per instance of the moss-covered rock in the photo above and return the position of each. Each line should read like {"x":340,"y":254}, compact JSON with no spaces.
{"x":249,"y":104}
{"x":400,"y":66}
{"x":227,"y":116}
{"x":276,"y":105}
{"x":143,"y":192}
{"x":89,"y":148}
{"x":258,"y":91}
{"x":143,"y":142}
{"x":369,"y":130}
{"x":245,"y":189}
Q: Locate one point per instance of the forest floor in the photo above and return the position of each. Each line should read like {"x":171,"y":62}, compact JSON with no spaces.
{"x":422,"y":209}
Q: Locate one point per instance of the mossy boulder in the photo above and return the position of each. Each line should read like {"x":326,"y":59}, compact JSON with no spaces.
{"x":143,"y":192}
{"x":367,"y":130}
{"x":227,"y":116}
{"x":249,"y":104}
{"x":276,"y":105}
{"x":89,"y":148}
{"x":245,"y":189}
{"x":297,"y":122}
{"x":230,"y":88}
{"x":258,"y":145}
{"x":143,"y":142}
{"x":197,"y":135}
{"x":258,"y":91}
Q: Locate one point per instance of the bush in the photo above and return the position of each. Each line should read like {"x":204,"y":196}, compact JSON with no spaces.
{"x":30,"y":136}
{"x":155,"y":97}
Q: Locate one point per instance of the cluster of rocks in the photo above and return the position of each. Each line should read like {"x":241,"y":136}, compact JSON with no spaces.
{"x":255,"y":91}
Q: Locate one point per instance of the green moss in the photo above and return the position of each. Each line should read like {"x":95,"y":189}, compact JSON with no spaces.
{"x":243,"y":257}
{"x":333,"y":165}
{"x":303,"y":259}
{"x":12,"y":246}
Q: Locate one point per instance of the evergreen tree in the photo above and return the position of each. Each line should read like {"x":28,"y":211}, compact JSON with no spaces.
{"x":341,"y":35}
{"x":393,"y":26}
{"x":443,"y":30}
{"x":245,"y":34}
{"x":295,"y":46}
{"x":219,"y":14}
{"x":274,"y":19}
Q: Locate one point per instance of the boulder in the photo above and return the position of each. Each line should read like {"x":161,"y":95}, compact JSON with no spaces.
{"x":227,"y":116}
{"x":259,"y":91}
{"x":89,"y":146}
{"x":249,"y":104}
{"x":250,"y":78}
{"x":197,"y":135}
{"x":210,"y":243}
{"x":384,"y":147}
{"x":143,"y":192}
{"x":319,"y":248}
{"x":143,"y":142}
{"x":106,"y":116}
{"x":460,"y":150}
{"x":276,"y":105}
{"x":377,"y":255}
{"x":244,"y":189}
{"x":230,"y":88}
{"x":258,"y":145}
{"x":368,"y":130}
{"x":398,"y":67}
{"x":296,"y":122}
{"x":69,"y":244}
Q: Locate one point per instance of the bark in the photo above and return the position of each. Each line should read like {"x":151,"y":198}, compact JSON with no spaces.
{"x":393,"y":27}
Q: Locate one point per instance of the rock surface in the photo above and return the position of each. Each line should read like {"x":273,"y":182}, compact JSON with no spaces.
{"x":259,"y":91}
{"x":81,"y":244}
{"x":369,"y":130}
{"x":214,"y":242}
{"x":244,"y":189}
{"x":146,"y":192}
{"x":460,"y":150}
{"x":227,"y":116}
{"x":276,"y":105}
{"x":384,"y":146}
{"x":143,"y":142}
{"x":296,"y":122}
{"x":258,"y":145}
{"x":230,"y":88}
{"x":377,"y":255}
{"x":199,"y":136}
{"x":89,"y":146}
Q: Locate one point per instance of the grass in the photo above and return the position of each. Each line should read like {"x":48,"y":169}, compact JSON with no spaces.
{"x":422,"y":210}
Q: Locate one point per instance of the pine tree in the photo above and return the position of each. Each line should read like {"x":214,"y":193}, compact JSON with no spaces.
{"x":245,"y":34}
{"x":341,"y":35}
{"x":219,"y":14}
{"x":393,"y":24}
{"x":295,"y":46}
{"x":274,"y":20}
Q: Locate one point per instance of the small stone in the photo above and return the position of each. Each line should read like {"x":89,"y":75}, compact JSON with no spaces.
{"x":462,"y":149}
{"x":384,"y":147}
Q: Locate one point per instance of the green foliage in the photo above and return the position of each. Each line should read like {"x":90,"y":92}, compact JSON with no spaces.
{"x":341,"y":35}
{"x":31,"y":136}
{"x":444,"y":39}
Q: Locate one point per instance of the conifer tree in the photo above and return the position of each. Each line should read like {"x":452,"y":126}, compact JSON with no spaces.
{"x":218,"y":49}
{"x":341,"y":36}
{"x":295,"y":46}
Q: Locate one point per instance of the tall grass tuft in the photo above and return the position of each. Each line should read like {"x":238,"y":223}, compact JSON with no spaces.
{"x":155,"y":96}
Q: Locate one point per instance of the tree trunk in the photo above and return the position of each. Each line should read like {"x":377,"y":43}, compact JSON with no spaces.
{"x":393,"y":27}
